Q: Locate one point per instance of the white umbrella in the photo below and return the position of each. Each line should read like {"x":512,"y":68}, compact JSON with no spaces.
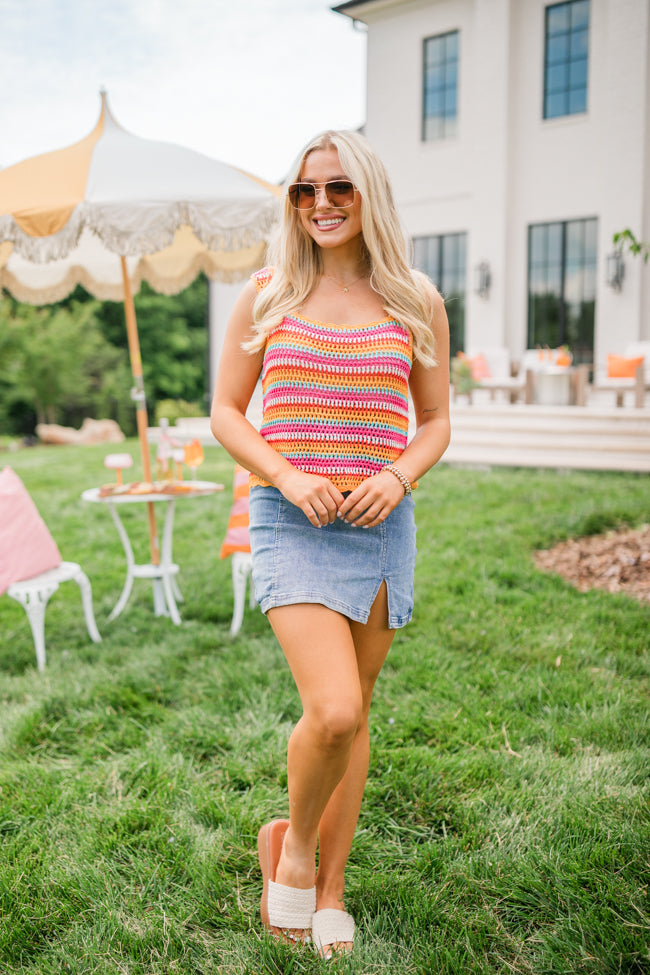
{"x":114,"y":210}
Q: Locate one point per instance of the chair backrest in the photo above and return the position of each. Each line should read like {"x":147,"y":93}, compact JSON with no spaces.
{"x":497,"y":358}
{"x":634,"y":350}
{"x":237,"y":538}
{"x":26,"y":546}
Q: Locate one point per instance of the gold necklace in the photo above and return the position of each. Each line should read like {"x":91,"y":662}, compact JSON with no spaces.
{"x":345,"y":287}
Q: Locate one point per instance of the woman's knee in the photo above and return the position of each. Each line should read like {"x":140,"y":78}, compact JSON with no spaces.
{"x":337,"y":720}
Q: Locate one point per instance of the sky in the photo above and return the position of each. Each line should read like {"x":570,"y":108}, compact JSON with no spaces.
{"x":248,"y":82}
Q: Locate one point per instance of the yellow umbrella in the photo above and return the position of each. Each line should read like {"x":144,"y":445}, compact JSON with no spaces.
{"x":114,"y":210}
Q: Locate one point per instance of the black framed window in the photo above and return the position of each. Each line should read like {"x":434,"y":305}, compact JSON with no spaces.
{"x":566,"y":58}
{"x":562,"y":259}
{"x":440,"y":86}
{"x":444,"y":258}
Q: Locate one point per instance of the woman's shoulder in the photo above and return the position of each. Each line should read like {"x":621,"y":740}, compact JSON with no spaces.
{"x":262,"y":277}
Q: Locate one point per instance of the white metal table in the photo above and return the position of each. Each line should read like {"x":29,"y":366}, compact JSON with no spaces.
{"x":163,"y":576}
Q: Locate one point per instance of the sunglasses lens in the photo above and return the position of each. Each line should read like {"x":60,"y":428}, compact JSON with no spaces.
{"x":340,"y":192}
{"x":302,"y":196}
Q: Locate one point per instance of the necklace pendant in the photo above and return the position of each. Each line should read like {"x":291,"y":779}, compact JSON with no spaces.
{"x":345,"y":290}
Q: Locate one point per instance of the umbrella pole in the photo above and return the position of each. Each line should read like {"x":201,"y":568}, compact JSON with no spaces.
{"x":140,"y":404}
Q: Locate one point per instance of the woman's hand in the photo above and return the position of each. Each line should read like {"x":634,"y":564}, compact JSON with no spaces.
{"x":372,"y":502}
{"x":315,"y":495}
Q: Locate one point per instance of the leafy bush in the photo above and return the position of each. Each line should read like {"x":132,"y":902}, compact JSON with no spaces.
{"x":174,"y":409}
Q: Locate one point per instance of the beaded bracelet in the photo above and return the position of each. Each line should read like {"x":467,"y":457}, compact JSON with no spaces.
{"x":401,"y":477}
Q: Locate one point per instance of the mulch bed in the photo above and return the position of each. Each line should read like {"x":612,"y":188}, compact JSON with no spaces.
{"x":618,"y":561}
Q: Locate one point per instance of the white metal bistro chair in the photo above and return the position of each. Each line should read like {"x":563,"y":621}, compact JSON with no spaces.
{"x":33,"y":594}
{"x":31,"y":567}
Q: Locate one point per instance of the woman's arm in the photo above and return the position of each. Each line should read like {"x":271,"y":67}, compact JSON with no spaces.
{"x":373,"y":500}
{"x":237,"y":377}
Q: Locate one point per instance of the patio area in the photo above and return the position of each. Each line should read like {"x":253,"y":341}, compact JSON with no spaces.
{"x":600,"y":436}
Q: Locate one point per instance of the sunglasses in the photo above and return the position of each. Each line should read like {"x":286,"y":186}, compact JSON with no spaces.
{"x":339,"y":193}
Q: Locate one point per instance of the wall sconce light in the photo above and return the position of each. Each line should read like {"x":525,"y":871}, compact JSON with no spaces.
{"x":482,"y":279}
{"x":615,"y":270}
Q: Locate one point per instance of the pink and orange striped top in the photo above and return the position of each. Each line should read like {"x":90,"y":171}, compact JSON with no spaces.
{"x":335,"y":397}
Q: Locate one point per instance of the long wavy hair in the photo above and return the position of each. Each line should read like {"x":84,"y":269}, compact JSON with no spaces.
{"x":296,"y":260}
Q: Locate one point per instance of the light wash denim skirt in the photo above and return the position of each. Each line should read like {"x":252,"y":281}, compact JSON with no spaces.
{"x":337,"y":565}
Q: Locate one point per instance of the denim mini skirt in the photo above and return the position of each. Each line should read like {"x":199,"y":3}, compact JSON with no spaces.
{"x":338,"y":565}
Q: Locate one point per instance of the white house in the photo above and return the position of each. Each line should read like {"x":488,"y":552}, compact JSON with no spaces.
{"x":517,"y":137}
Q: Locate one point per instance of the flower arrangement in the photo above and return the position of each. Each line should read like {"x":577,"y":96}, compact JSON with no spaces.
{"x":461,"y":375}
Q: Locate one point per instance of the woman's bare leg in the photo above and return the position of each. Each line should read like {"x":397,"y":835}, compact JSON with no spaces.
{"x":336,"y":829}
{"x":335,"y":663}
{"x":320,"y":650}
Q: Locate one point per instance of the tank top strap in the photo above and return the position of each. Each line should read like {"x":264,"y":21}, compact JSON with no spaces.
{"x":262,"y":277}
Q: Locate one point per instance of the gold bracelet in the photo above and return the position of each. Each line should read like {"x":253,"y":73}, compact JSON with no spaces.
{"x":401,"y":477}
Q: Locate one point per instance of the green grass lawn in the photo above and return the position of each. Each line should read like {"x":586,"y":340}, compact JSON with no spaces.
{"x":505,"y":827}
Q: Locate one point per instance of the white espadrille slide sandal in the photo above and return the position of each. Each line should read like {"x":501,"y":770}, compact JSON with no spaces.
{"x":329,"y":928}
{"x":288,"y":908}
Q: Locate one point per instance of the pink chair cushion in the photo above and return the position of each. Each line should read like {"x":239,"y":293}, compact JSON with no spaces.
{"x":26,"y":546}
{"x":480,"y":368}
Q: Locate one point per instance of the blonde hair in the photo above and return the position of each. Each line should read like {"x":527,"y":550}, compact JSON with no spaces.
{"x":296,"y":261}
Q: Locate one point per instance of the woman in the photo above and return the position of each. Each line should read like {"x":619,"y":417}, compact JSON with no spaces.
{"x":332,"y":458}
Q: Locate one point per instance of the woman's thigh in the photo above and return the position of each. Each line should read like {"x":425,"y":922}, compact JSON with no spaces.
{"x":372,"y":641}
{"x":320,"y":651}
{"x":330,"y":655}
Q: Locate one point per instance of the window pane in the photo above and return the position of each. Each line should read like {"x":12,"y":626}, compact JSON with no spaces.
{"x":436,"y":77}
{"x":451,"y":127}
{"x":443,"y":258}
{"x":555,"y":243}
{"x":566,"y":58}
{"x":557,"y":49}
{"x":558,"y":18}
{"x":434,"y":104}
{"x":577,"y":101}
{"x":538,"y":245}
{"x":555,"y":105}
{"x":578,"y":74}
{"x":433,"y":128}
{"x":579,"y":44}
{"x":434,"y":50}
{"x":579,"y":14}
{"x":561,"y":295}
{"x":439,"y":103}
{"x":451,"y":46}
{"x":557,"y":78}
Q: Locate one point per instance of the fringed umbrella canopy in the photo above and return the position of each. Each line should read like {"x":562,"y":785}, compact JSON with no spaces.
{"x":114,"y":210}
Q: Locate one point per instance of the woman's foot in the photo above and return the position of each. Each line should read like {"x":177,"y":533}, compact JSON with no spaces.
{"x":286,"y":907}
{"x":332,"y":927}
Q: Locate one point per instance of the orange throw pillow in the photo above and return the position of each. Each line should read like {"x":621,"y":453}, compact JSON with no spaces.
{"x":618,"y":367}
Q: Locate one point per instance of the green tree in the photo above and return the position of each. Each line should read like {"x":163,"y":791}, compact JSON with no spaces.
{"x":173,"y":335}
{"x":58,"y":365}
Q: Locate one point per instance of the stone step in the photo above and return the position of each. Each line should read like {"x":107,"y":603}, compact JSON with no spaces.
{"x":475,"y":455}
{"x":556,"y":437}
{"x":558,"y":440}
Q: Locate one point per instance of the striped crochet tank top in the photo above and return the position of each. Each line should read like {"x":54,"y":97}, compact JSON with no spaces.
{"x":335,"y":397}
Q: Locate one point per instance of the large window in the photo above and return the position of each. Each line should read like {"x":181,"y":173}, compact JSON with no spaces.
{"x":562,"y":286}
{"x":566,"y":58}
{"x":443,"y":258}
{"x":440,"y":95}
